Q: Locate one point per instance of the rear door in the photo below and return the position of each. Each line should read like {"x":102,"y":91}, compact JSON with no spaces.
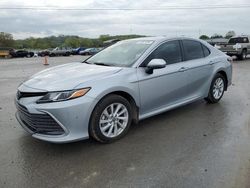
{"x":199,"y":68}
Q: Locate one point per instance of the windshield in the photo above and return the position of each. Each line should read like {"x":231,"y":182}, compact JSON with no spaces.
{"x":122,"y":54}
{"x":238,"y":40}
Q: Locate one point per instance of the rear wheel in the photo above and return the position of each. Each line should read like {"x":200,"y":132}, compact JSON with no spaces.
{"x":217,"y":89}
{"x":110,"y":119}
{"x":243,"y":55}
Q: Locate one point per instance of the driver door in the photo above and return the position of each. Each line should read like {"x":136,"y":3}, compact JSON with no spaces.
{"x":166,"y":86}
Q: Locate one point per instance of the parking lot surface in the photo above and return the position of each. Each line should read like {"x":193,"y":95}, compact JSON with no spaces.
{"x":198,"y":145}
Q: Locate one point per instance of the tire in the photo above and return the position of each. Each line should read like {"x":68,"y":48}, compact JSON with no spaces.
{"x":28,"y":56}
{"x":243,"y":55}
{"x":113,"y":128}
{"x":214,"y":97}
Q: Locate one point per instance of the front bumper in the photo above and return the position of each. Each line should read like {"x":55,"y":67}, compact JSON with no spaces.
{"x":72,"y":116}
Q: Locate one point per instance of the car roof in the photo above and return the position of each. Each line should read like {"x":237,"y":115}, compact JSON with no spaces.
{"x":240,"y":36}
{"x":162,"y":38}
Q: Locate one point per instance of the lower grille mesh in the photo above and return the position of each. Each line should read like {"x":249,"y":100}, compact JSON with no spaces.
{"x":39,"y":123}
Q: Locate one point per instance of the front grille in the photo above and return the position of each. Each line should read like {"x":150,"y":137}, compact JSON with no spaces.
{"x":29,"y":94}
{"x":39,"y":123}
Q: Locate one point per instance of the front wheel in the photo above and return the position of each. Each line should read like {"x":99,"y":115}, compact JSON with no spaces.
{"x":217,"y":89}
{"x":110,"y":119}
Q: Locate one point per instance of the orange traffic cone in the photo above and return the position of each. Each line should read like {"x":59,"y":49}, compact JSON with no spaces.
{"x":46,"y":61}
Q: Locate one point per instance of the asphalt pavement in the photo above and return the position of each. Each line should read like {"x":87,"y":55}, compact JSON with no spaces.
{"x":198,"y":145}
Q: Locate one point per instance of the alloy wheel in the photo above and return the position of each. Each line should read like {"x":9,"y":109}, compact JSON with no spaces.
{"x":114,"y":120}
{"x":218,"y":88}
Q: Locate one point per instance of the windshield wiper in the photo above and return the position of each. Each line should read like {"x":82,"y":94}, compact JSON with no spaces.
{"x":103,"y":64}
{"x":86,"y":62}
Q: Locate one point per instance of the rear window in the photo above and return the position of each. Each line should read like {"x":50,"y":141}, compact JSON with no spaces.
{"x":192,"y":49}
{"x":238,"y":40}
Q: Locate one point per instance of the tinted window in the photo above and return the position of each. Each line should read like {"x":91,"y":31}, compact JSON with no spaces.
{"x":206,"y":51}
{"x":169,"y":51}
{"x":192,"y":49}
{"x":238,"y":40}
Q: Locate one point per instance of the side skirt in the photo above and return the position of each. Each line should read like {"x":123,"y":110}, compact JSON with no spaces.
{"x":168,"y":107}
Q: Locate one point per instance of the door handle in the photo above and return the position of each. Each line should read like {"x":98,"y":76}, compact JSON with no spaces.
{"x":182,"y":69}
{"x":211,"y":62}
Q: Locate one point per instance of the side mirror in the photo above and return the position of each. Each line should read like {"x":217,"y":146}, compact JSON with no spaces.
{"x":155,"y":64}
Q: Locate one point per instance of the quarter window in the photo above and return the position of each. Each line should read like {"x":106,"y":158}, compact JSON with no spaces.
{"x":169,"y":51}
{"x":192,"y":50}
{"x":206,"y":51}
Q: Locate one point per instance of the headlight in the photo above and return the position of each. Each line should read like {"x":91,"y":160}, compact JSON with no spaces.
{"x":63,"y":95}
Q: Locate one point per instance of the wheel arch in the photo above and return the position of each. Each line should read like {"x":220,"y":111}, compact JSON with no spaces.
{"x":128,"y":96}
{"x":224,"y":74}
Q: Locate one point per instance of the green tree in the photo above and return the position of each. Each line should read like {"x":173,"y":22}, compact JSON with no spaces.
{"x":69,"y":41}
{"x":6,"y":40}
{"x":216,"y":36}
{"x":230,"y":34}
{"x":73,"y":42}
{"x":204,"y":37}
{"x":104,"y":37}
{"x":85,"y":42}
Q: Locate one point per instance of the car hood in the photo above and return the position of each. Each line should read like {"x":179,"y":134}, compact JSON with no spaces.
{"x":68,"y":76}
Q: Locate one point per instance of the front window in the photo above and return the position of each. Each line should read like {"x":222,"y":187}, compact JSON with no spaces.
{"x":121,"y":54}
{"x":169,"y":51}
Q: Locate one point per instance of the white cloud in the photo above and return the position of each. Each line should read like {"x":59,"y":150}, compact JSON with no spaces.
{"x":37,"y":23}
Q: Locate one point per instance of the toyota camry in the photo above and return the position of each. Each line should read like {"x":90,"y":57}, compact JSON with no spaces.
{"x":129,"y":81}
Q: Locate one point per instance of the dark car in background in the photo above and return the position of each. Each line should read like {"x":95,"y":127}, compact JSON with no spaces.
{"x":44,"y":53}
{"x":21,"y":53}
{"x":90,"y":51}
{"x":76,"y":51}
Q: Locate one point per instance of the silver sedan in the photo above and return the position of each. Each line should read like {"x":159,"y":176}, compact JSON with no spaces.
{"x":124,"y":83}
